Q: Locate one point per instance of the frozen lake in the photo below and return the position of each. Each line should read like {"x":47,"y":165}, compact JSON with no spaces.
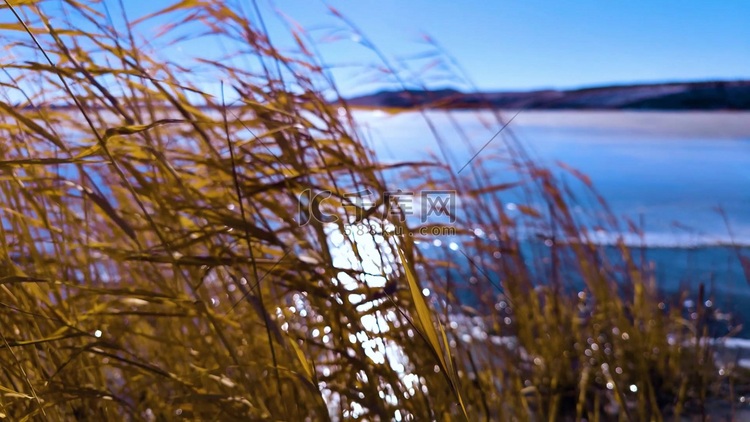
{"x":665,"y":167}
{"x":671,"y":170}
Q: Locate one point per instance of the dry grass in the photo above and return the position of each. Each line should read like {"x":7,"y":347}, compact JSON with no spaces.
{"x":152,"y":265}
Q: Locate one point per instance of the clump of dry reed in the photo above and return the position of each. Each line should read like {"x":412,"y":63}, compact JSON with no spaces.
{"x":152,"y":264}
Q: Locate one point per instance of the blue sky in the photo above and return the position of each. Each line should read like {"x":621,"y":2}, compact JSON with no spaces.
{"x":524,"y":44}
{"x":533,"y":43}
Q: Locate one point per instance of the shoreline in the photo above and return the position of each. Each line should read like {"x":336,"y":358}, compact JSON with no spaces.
{"x":718,"y":124}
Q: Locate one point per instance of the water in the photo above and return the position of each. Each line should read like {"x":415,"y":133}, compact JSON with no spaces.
{"x":665,"y":167}
{"x":685,"y":176}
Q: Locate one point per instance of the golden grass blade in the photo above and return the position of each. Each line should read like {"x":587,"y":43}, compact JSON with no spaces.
{"x":132,"y":129}
{"x":428,"y":329}
{"x":46,"y":162}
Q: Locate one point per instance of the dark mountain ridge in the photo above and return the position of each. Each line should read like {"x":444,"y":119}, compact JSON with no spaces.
{"x":712,"y":95}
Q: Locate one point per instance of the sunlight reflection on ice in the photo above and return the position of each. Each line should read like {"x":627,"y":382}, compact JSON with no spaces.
{"x":375,"y":259}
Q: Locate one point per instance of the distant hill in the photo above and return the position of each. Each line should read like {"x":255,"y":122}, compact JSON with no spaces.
{"x":717,"y":95}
